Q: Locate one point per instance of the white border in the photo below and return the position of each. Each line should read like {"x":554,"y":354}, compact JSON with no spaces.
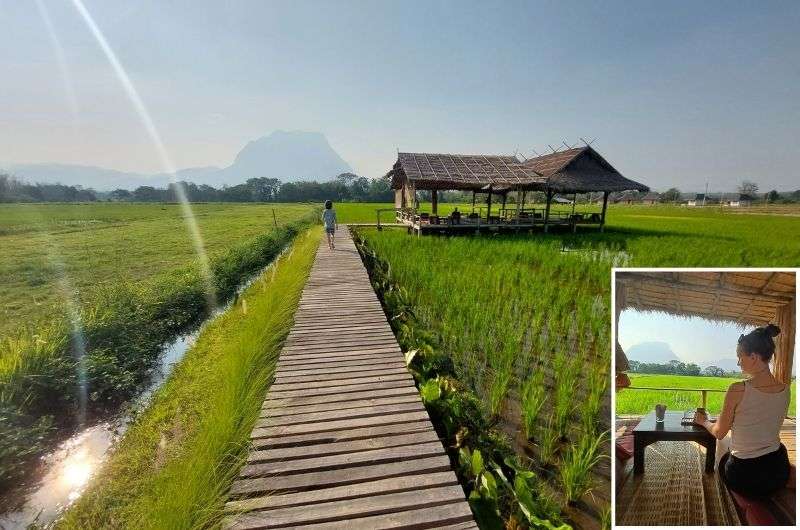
{"x":795,"y":270}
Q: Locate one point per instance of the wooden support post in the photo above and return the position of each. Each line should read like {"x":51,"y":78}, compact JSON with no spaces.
{"x":518,"y":205}
{"x":503,"y":209}
{"x":547,"y":209}
{"x":434,"y":202}
{"x":603,"y":215}
{"x":489,"y":206}
{"x":705,"y":398}
{"x":473,"y":201}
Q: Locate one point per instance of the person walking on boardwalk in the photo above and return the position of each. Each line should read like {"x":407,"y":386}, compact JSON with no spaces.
{"x":329,"y":219}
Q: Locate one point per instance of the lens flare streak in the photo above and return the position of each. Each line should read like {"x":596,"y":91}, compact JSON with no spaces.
{"x":152,"y":131}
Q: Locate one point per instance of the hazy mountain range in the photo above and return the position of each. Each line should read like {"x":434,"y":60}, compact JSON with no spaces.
{"x":661,"y":353}
{"x":285,"y":155}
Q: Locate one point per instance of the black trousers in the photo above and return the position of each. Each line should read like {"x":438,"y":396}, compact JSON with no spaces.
{"x":756,"y":477}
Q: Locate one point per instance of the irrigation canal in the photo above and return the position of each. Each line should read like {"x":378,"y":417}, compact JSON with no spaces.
{"x":343,"y":440}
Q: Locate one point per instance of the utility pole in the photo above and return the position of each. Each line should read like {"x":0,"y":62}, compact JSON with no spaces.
{"x":705,"y":195}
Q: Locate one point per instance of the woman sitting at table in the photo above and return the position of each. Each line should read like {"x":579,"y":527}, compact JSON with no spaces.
{"x":757,"y":464}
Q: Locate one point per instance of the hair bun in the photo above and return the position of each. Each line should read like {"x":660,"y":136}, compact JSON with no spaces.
{"x":772,"y":330}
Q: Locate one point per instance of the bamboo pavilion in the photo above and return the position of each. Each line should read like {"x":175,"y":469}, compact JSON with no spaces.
{"x":572,"y":171}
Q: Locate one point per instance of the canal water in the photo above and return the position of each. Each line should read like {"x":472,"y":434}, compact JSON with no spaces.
{"x":69,"y":468}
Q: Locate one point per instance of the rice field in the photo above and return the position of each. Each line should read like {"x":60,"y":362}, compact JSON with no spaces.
{"x":527,"y":329}
{"x":637,"y":401}
{"x":665,"y":236}
{"x":525,"y":318}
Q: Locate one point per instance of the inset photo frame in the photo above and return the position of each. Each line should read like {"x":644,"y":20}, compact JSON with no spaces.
{"x":704,"y":398}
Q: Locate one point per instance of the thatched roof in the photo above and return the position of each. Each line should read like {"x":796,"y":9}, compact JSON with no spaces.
{"x":577,"y":170}
{"x":432,"y":171}
{"x":745,"y":297}
{"x":581,"y":170}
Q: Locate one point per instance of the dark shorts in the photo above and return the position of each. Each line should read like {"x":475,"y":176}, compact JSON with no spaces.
{"x":330,"y":230}
{"x":756,"y":477}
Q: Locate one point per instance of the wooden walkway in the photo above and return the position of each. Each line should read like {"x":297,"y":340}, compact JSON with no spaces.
{"x":344,"y":440}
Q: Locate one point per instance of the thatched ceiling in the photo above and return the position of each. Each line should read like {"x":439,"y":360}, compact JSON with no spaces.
{"x":744,"y":297}
{"x":576,"y":170}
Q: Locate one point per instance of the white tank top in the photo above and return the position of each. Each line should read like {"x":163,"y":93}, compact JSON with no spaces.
{"x":757,"y":422}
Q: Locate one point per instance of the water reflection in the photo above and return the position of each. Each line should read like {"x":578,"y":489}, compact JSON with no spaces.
{"x":69,"y":468}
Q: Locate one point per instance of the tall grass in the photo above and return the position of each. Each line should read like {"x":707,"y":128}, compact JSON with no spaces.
{"x":174,"y":466}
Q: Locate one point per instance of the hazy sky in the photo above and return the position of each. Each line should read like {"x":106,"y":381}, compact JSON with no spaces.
{"x":677,"y":93}
{"x":694,"y":340}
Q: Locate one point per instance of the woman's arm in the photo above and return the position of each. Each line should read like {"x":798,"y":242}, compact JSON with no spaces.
{"x":722,"y":426}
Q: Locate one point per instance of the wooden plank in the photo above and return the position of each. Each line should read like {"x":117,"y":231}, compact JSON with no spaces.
{"x":322,"y":363}
{"x":371,"y":385}
{"x":351,"y":342}
{"x":312,"y":385}
{"x":344,"y":327}
{"x":335,"y":448}
{"x":339,"y":511}
{"x":309,"y":376}
{"x":341,"y":399}
{"x":325,"y":338}
{"x":304,"y":428}
{"x":320,"y":418}
{"x":355,"y":433}
{"x":276,"y":410}
{"x":321,"y":463}
{"x":338,"y":477}
{"x":350,"y":491}
{"x":342,"y":354}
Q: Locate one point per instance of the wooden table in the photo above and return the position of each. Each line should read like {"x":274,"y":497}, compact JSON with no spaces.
{"x":649,"y":431}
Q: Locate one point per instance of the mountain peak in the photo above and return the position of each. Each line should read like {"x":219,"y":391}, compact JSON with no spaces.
{"x":285,"y":155}
{"x":651,"y":352}
{"x":289,"y":155}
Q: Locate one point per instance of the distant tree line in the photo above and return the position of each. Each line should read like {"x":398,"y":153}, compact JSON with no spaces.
{"x":13,"y":190}
{"x":346,"y":187}
{"x":678,"y":368}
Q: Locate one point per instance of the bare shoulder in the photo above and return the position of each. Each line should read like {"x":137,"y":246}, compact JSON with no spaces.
{"x":738,"y":386}
{"x":734,"y":394}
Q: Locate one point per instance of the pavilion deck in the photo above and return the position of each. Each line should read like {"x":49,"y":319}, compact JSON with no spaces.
{"x":505,"y":221}
{"x":674,"y":490}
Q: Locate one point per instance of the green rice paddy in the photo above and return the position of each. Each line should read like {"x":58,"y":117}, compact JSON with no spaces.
{"x":635,"y":401}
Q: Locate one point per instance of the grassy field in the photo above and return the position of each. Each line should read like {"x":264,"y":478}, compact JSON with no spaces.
{"x":81,"y":355}
{"x":48,"y":248}
{"x":175,"y":465}
{"x":642,"y":401}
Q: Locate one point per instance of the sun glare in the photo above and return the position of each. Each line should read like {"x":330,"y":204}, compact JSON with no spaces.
{"x":77,"y":470}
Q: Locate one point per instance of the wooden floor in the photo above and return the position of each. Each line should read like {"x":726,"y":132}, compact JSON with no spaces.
{"x":344,"y":440}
